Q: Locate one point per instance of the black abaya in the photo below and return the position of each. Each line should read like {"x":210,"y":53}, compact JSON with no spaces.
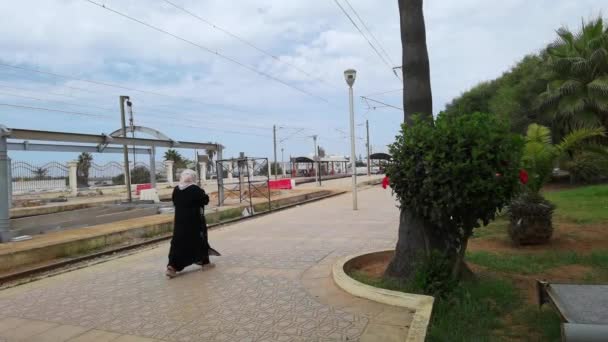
{"x":189,"y":244}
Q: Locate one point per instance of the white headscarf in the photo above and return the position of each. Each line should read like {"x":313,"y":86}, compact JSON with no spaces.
{"x":187,"y":178}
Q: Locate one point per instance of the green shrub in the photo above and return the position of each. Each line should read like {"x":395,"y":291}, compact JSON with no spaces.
{"x":455,"y":173}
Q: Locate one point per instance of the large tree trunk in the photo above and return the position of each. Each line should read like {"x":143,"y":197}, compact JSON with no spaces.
{"x":416,"y":238}
{"x":417,"y":95}
{"x":414,"y":244}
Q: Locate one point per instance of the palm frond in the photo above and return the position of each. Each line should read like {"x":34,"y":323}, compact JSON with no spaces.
{"x":538,"y":134}
{"x":566,"y":37}
{"x":581,"y":66}
{"x":572,"y":105}
{"x":570,"y":87}
{"x":579,"y":136}
{"x":548,"y":99}
{"x":561,"y":65}
{"x":599,"y":86}
{"x":596,"y":149}
{"x":599,"y":105}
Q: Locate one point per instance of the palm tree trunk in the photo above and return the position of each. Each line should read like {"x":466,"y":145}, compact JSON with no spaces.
{"x":416,"y":238}
{"x":417,"y":95}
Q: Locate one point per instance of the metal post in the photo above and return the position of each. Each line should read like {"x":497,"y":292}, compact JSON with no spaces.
{"x":283,"y":163}
{"x":125,"y":147}
{"x":274,"y":138}
{"x":220,"y":177}
{"x":153,"y":166}
{"x":316,"y":163}
{"x":353,"y":158}
{"x":369,"y":167}
{"x":240,"y":164}
{"x":132,"y":128}
{"x":5,"y":233}
{"x":10,"y":183}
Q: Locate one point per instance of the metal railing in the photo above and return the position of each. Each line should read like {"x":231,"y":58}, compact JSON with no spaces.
{"x":27,"y":177}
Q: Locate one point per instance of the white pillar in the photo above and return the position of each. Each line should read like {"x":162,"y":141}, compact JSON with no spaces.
{"x":73,"y":177}
{"x":230,"y":169}
{"x":5,"y":233}
{"x":203,"y":167}
{"x":169,"y":169}
{"x":250,"y":168}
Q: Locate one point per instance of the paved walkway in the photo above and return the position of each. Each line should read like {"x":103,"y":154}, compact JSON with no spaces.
{"x":272,"y":284}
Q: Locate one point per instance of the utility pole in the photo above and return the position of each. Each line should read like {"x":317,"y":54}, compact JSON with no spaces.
{"x":314,"y":138}
{"x":132,"y":128}
{"x":282,"y":163}
{"x":125,"y":148}
{"x":369,"y":167}
{"x":274,"y":138}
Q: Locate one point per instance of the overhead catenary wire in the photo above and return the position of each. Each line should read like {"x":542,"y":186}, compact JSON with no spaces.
{"x":204,"y":48}
{"x":384,"y":92}
{"x":291,"y":135}
{"x":53,"y":101}
{"x":118,"y":86}
{"x":146,"y":113}
{"x":248,"y":43}
{"x":108,"y":109}
{"x":370,"y":32}
{"x":380,"y":102}
{"x":53,"y":110}
{"x":365,"y":37}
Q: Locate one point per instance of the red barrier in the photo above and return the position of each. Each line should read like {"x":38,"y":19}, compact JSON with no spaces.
{"x":280,"y":184}
{"x":141,"y":187}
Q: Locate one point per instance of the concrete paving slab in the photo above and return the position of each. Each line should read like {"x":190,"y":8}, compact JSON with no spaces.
{"x":28,"y":329}
{"x":59,"y":333}
{"x":259,"y":291}
{"x":96,"y":336}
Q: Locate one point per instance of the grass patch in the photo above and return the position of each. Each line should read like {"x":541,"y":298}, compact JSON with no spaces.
{"x":497,"y":228}
{"x":472,"y":312}
{"x":544,"y":322}
{"x":536,"y":263}
{"x":582,"y":205}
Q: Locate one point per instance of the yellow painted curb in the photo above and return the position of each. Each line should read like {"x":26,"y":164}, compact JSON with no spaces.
{"x":423,"y":305}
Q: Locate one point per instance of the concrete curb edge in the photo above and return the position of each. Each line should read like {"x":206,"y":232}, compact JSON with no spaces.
{"x":423,"y":305}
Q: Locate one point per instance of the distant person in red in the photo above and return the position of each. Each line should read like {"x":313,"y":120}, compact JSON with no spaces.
{"x":385,"y":182}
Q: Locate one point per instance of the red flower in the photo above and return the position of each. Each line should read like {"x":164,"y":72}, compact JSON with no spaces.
{"x":385,"y":182}
{"x":523,"y":176}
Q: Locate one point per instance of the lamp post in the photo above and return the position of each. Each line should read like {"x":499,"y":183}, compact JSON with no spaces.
{"x":350,"y":75}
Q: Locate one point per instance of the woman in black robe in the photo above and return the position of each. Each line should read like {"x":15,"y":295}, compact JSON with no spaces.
{"x":189,"y":244}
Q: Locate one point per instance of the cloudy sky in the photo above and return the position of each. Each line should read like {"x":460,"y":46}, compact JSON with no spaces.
{"x":283,"y":64}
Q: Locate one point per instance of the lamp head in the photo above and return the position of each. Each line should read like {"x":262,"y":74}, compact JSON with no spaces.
{"x":350,"y":75}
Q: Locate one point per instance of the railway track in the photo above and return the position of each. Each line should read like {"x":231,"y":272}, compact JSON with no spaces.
{"x":58,"y":267}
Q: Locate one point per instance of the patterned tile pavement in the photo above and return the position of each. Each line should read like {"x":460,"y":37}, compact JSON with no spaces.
{"x":256,"y":292}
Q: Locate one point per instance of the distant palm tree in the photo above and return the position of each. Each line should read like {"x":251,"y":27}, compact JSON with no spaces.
{"x":85,"y":160}
{"x":578,"y":84}
{"x":173,"y":155}
{"x":179,"y":162}
{"x":41,"y":173}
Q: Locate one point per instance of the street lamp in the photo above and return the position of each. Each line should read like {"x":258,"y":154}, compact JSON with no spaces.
{"x":350,"y":75}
